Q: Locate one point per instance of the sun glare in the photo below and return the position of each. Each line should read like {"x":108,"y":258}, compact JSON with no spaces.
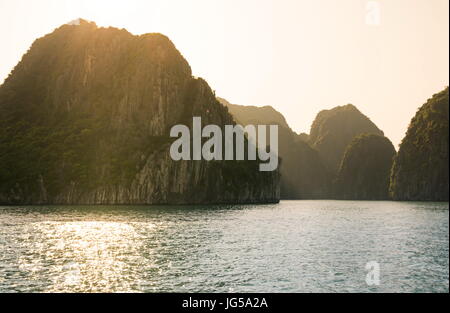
{"x":103,"y":12}
{"x":87,"y":251}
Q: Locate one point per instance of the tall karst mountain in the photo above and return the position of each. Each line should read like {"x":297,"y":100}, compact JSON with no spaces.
{"x":86,"y":116}
{"x":303,"y":175}
{"x":333,"y":130}
{"x":420,"y":170}
{"x":365,"y":169}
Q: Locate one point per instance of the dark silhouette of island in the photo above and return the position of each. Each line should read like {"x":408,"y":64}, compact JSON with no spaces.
{"x":86,"y":117}
{"x":346,"y":156}
{"x":310,"y":163}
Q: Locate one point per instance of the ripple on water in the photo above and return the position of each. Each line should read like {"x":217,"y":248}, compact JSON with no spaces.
{"x":295,"y":246}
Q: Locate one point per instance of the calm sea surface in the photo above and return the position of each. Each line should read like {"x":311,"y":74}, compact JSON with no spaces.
{"x":294,"y":246}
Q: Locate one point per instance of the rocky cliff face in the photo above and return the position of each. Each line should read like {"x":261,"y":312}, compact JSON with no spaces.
{"x":303,"y":175}
{"x":333,"y":130}
{"x":86,"y":117}
{"x":420,"y":170}
{"x":365,"y":169}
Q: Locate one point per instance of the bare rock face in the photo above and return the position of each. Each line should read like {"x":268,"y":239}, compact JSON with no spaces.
{"x":86,"y":117}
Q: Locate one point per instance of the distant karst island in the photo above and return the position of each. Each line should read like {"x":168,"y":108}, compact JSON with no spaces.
{"x":346,"y":156}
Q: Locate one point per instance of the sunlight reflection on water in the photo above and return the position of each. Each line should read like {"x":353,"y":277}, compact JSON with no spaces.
{"x":92,"y":255}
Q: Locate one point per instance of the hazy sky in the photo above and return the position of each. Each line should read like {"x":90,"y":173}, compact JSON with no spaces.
{"x":299,"y":56}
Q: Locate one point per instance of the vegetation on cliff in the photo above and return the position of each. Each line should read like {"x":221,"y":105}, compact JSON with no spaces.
{"x":86,"y":116}
{"x":365,"y":169}
{"x":420,"y":170}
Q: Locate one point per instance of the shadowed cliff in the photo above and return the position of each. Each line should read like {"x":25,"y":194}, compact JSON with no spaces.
{"x":365,"y":169}
{"x":420,"y":170}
